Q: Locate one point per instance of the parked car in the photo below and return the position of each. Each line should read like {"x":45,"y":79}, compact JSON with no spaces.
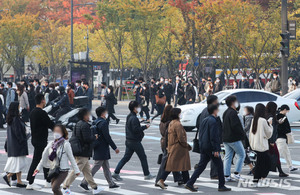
{"x":246,"y":97}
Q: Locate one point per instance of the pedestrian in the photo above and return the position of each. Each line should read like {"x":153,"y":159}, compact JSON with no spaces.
{"x":160,"y":94}
{"x":24,"y":103}
{"x":83,"y":133}
{"x":233,"y":134}
{"x":168,"y":90}
{"x":39,"y":123}
{"x":58,"y":153}
{"x":271,"y":110}
{"x":31,"y":96}
{"x":275,"y":84}
{"x":78,"y":90}
{"x":153,"y":90}
{"x":202,"y":89}
{"x":210,"y":148}
{"x":247,"y":118}
{"x":138,"y":94}
{"x":37,"y":86}
{"x":4,"y":93}
{"x":218,"y":86}
{"x":293,"y":87}
{"x":178,"y":91}
{"x":45,"y":89}
{"x":62,"y":101}
{"x":53,"y":94}
{"x":190,"y":93}
{"x":11,"y":95}
{"x":234,"y":85}
{"x":89,"y":93}
{"x":163,"y":127}
{"x":211,"y":100}
{"x":145,"y":103}
{"x":178,"y":150}
{"x":2,"y":106}
{"x":71,"y":94}
{"x":260,"y":131}
{"x":104,"y":93}
{"x":101,"y":149}
{"x":133,"y":143}
{"x":243,"y":83}
{"x":110,"y":104}
{"x":283,"y":129}
{"x":17,"y":148}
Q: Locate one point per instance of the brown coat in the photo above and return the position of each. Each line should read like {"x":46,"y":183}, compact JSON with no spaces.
{"x":178,"y":148}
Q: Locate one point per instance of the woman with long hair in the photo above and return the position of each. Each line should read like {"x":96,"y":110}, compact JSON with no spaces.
{"x":260,"y":131}
{"x":17,"y":147}
{"x":24,"y":103}
{"x":71,"y":93}
{"x":58,"y":153}
{"x":160,"y":107}
{"x":178,"y":150}
{"x":248,"y":117}
{"x":163,"y":127}
{"x":110,"y":104}
{"x":271,"y":110}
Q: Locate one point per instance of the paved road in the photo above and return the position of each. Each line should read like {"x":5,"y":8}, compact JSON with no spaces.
{"x":133,"y":183}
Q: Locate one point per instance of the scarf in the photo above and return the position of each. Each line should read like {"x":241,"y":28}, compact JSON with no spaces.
{"x":55,"y":145}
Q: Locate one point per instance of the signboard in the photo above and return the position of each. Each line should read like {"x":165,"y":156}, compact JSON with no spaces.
{"x":292,"y":29}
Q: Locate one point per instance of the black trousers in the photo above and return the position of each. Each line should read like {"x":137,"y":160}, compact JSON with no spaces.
{"x":153,"y":103}
{"x":111,"y":115}
{"x":168,"y":98}
{"x":145,"y":110}
{"x":185,"y":176}
{"x":160,"y":110}
{"x":37,"y":156}
{"x":262,"y":167}
{"x":204,"y":159}
{"x":1,"y":119}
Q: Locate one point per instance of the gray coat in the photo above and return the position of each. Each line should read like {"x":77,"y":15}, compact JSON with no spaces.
{"x":10,"y":96}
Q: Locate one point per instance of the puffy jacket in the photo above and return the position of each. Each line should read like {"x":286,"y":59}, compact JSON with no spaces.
{"x":134,"y":130}
{"x":84,"y":134}
{"x":232,"y":128}
{"x":209,"y":141}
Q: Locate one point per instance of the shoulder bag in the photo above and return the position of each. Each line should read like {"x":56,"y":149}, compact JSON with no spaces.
{"x":160,"y":101}
{"x":196,"y":146}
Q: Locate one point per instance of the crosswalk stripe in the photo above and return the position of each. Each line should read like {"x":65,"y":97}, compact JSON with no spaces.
{"x":8,"y":193}
{"x":233,"y":188}
{"x":169,"y":189}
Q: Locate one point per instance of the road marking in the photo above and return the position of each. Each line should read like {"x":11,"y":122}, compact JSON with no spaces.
{"x":233,"y":188}
{"x":169,"y":189}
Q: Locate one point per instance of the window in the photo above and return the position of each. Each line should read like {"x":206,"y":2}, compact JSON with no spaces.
{"x":261,"y":97}
{"x":242,"y":97}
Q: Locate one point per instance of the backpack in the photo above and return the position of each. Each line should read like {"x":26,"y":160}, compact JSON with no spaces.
{"x":75,"y":144}
{"x":94,"y":128}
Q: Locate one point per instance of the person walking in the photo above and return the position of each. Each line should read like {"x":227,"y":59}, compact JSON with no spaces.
{"x":163,"y":127}
{"x":178,"y":91}
{"x":159,"y":106}
{"x":233,"y":134}
{"x":190,"y":94}
{"x":133,"y":143}
{"x":145,"y":103}
{"x":104,"y":92}
{"x":2,"y":106}
{"x":218,"y":86}
{"x":58,"y":153}
{"x":83,"y":132}
{"x":247,"y":119}
{"x":243,"y":83}
{"x":24,"y":103}
{"x":71,"y":94}
{"x":275,"y":84}
{"x":260,"y":131}
{"x":11,"y":95}
{"x":110,"y":104}
{"x":210,"y":148}
{"x":31,"y":96}
{"x":39,"y":123}
{"x":178,"y":150}
{"x":17,"y":148}
{"x":283,"y":130}
{"x":53,"y":94}
{"x":101,"y":149}
{"x":89,"y":93}
{"x":271,"y":110}
{"x":153,"y":89}
{"x":168,"y":90}
{"x":78,"y":90}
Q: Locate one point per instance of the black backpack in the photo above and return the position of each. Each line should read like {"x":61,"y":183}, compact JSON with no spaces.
{"x":75,"y":144}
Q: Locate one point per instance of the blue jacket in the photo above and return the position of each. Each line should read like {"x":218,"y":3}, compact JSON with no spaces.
{"x":10,"y":97}
{"x":134,"y":130}
{"x":209,"y":135}
{"x":101,"y":146}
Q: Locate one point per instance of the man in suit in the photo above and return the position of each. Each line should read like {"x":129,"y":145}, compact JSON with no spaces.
{"x":78,"y":91}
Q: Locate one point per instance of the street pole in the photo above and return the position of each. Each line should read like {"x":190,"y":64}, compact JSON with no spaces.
{"x":284,"y":59}
{"x":71,"y":49}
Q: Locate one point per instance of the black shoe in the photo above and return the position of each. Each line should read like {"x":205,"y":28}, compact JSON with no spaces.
{"x":283,"y":175}
{"x":180,"y":183}
{"x":117,"y":121}
{"x":84,"y":187}
{"x":159,"y":186}
{"x":21,"y":185}
{"x":190,"y":188}
{"x":114,"y":186}
{"x":214,"y":178}
{"x":224,"y":189}
{"x":6,"y":180}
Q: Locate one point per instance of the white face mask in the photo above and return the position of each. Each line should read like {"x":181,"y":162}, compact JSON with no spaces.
{"x":106,"y":115}
{"x":236,"y":104}
{"x":138,"y":109}
{"x":57,"y":87}
{"x":161,"y":80}
{"x":108,"y":90}
{"x":275,"y":77}
{"x":166,"y":81}
{"x":67,"y":88}
{"x":56,"y":135}
{"x":136,"y":87}
{"x":76,"y":84}
{"x":177,"y":78}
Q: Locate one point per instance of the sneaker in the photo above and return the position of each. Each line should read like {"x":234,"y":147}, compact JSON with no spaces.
{"x":117,"y":177}
{"x":33,"y":187}
{"x":190,"y":188}
{"x":224,"y":189}
{"x":229,"y":179}
{"x":114,"y":186}
{"x":293,"y":169}
{"x":161,"y":184}
{"x":149,"y":177}
{"x":66,"y":191}
{"x":13,"y":182}
{"x":47,"y":184}
{"x":98,"y":190}
{"x":238,"y":177}
{"x":84,"y":187}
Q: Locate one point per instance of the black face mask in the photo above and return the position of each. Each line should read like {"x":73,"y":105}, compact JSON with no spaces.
{"x":102,"y":87}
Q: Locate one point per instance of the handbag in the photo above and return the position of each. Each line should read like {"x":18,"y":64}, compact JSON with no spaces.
{"x":196,"y":146}
{"x":75,"y":144}
{"x":159,"y":159}
{"x":160,"y":101}
{"x":290,"y":138}
{"x":115,"y":101}
{"x":56,"y":170}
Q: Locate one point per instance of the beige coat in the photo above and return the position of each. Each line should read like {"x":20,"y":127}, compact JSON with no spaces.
{"x":178,"y":148}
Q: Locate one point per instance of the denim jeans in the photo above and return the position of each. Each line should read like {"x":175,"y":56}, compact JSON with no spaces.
{"x":138,"y":148}
{"x":230,"y":148}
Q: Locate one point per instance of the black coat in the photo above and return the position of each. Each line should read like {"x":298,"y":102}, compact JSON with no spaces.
{"x":243,"y":84}
{"x":208,"y":141}
{"x":232,"y":128}
{"x":284,"y":127}
{"x":190,"y":93}
{"x":53,"y":95}
{"x":84,"y":134}
{"x":79,"y":91}
{"x":31,"y":99}
{"x":101,"y":146}
{"x":16,"y":139}
{"x":134,"y":130}
{"x":110,"y":102}
{"x":168,"y":88}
